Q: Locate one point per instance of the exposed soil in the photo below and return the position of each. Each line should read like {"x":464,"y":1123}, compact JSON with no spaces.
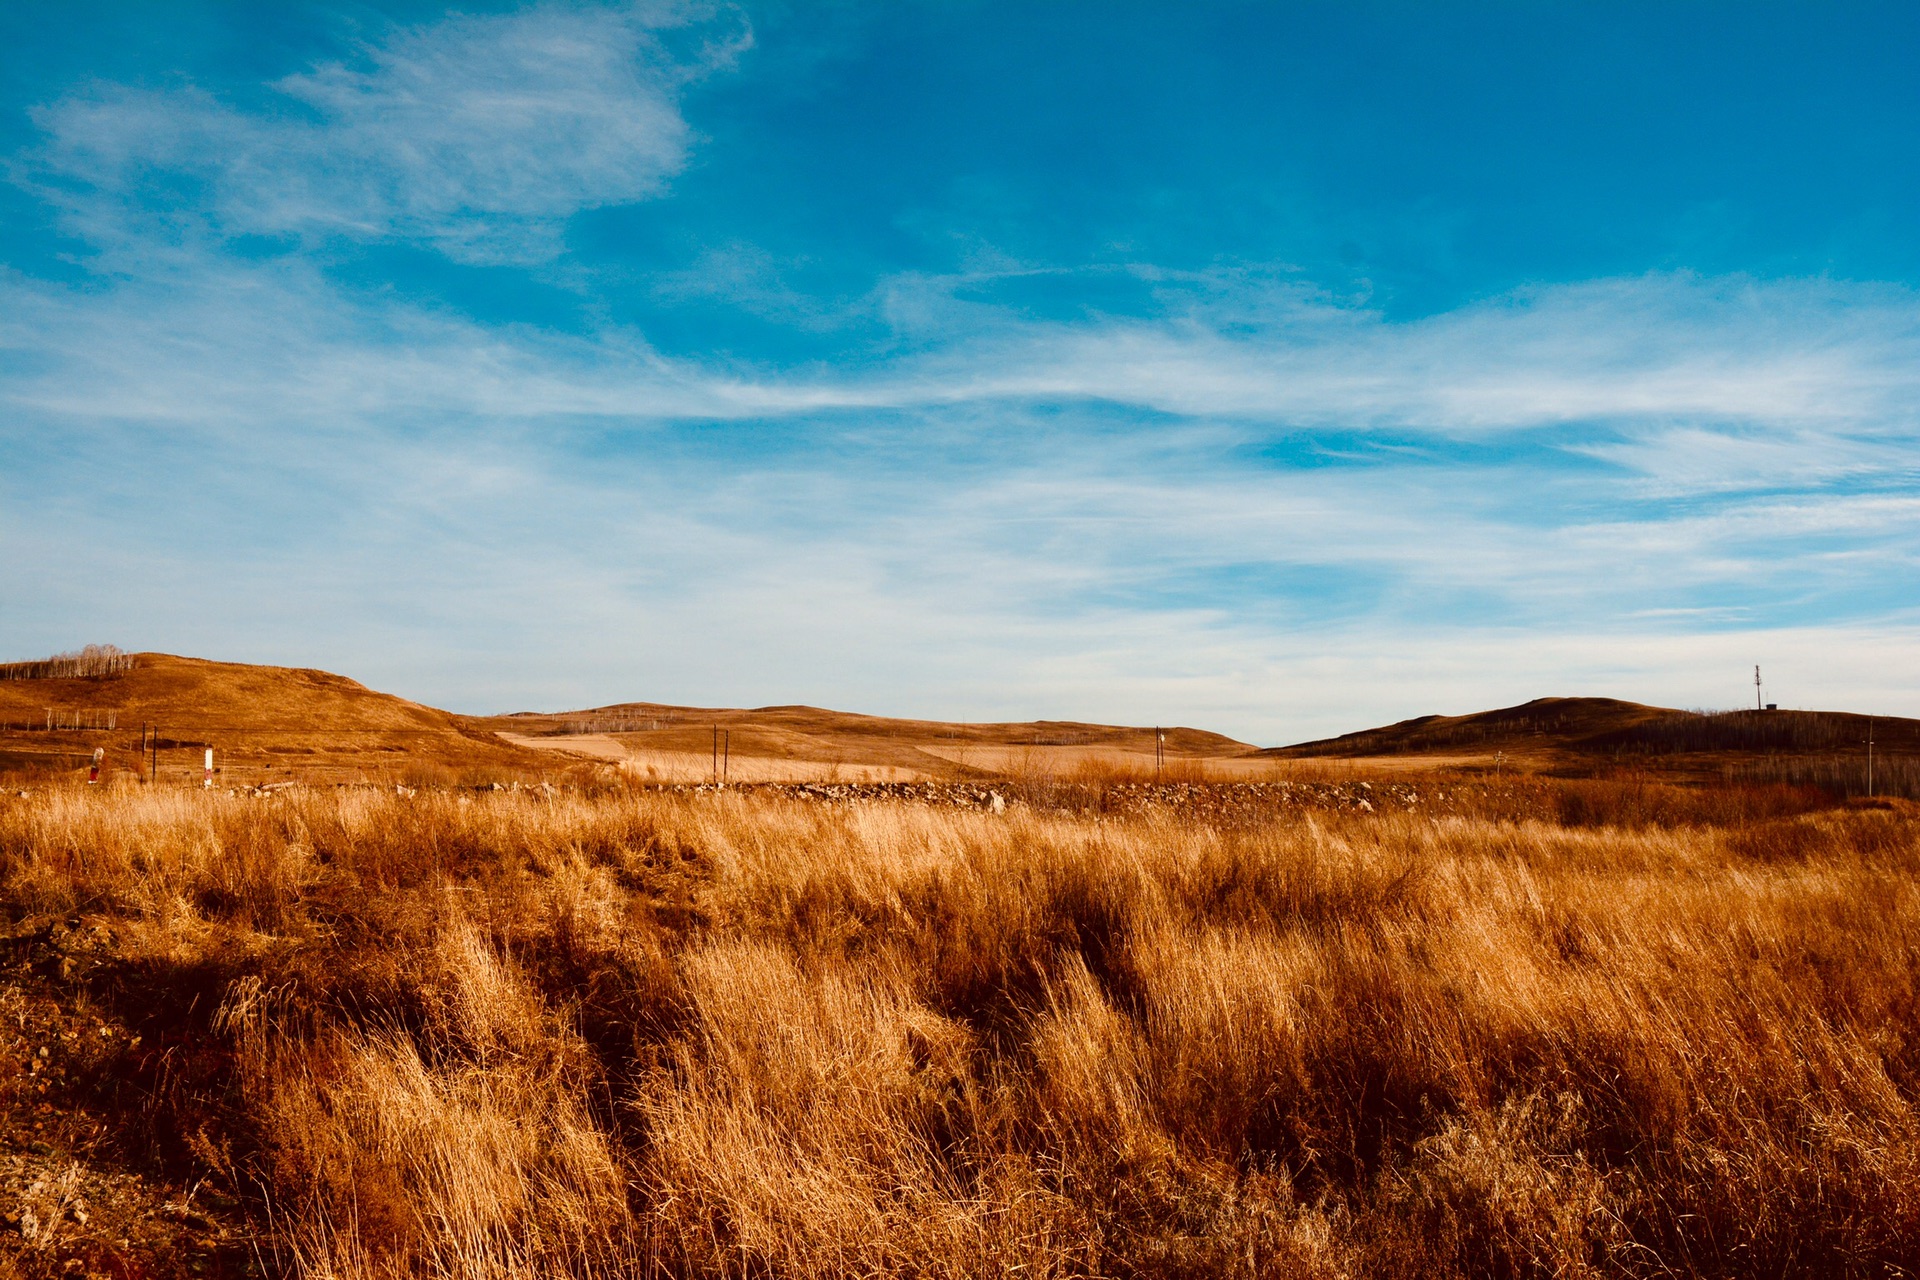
{"x":79,"y":1194}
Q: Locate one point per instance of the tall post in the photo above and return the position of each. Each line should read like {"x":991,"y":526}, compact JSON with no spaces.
{"x":1869,"y":757}
{"x":716,"y":754}
{"x":726,"y":755}
{"x":1756,"y":690}
{"x":208,"y":783}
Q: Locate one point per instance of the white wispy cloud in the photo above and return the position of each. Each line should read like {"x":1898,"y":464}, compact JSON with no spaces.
{"x":1788,"y":362}
{"x":1679,"y":459}
{"x":1670,"y":345}
{"x":276,"y":375}
{"x":477,"y":135}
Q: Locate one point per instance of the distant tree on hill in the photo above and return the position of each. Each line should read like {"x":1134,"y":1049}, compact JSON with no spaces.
{"x":96,"y":661}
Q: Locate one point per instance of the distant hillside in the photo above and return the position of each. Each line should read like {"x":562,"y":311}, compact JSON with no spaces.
{"x":270,"y":724}
{"x":674,"y":742}
{"x":280,"y":723}
{"x":1584,"y":735}
{"x":264,"y":723}
{"x":1545,"y":724}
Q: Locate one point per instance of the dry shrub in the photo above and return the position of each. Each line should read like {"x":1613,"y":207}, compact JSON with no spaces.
{"x":831,"y":1125}
{"x":1226,"y":1034}
{"x":1092,"y":1084}
{"x":1634,"y":799}
{"x":465,"y":1147}
{"x":1504,"y":1193}
{"x":155,"y":855}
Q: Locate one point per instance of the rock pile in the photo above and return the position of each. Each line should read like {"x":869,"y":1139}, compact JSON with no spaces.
{"x":1201,"y":800}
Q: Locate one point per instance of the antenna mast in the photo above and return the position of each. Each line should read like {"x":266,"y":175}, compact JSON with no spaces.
{"x":1756,"y":690}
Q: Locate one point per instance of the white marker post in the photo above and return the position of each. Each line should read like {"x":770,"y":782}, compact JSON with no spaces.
{"x":100,"y":753}
{"x":208,"y":784}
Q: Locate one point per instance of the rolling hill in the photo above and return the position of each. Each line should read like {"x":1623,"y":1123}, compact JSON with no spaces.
{"x":1583,"y":736}
{"x":264,"y":723}
{"x":671,"y":743}
{"x":268,"y":724}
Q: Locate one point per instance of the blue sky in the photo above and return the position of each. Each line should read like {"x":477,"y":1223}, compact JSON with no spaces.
{"x":1281,"y":369}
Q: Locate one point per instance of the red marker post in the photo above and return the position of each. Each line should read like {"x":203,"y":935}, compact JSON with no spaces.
{"x":93,"y":775}
{"x":208,"y":784}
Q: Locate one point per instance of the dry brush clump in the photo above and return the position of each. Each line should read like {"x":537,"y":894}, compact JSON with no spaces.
{"x":655,"y":1033}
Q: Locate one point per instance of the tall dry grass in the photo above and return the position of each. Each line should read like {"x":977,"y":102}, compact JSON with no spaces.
{"x":636,"y":1034}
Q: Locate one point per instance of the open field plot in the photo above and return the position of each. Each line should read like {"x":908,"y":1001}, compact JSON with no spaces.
{"x":746,"y":760}
{"x":660,"y":743}
{"x":643,"y":761}
{"x":360,"y":1033}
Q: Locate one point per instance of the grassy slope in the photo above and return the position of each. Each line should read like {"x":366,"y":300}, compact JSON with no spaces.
{"x":1584,"y":736}
{"x":264,"y":722}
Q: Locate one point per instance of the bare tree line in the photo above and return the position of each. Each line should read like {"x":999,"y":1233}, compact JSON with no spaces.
{"x":1893,"y":775}
{"x":616,"y":724}
{"x":81,"y":718}
{"x":1674,"y":733}
{"x":1752,"y":731}
{"x":95,"y":662}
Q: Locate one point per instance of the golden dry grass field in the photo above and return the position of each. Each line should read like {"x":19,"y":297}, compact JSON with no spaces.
{"x":1577,"y":988}
{"x":1552,"y":1029}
